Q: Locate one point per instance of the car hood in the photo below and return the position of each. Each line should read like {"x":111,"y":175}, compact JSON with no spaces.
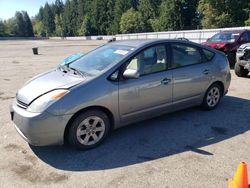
{"x":216,"y":44}
{"x":243,"y":46}
{"x":45,"y":82}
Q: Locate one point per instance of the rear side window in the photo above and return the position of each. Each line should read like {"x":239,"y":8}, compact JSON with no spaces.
{"x":184,"y":55}
{"x":208,"y":54}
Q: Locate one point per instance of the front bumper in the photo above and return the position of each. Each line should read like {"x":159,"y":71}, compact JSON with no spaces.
{"x":39,"y":129}
{"x":243,"y":59}
{"x":244,"y":63}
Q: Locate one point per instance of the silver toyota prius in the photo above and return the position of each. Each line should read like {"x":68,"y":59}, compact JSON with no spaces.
{"x":117,"y":84}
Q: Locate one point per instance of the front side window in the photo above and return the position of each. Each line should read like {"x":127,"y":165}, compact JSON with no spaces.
{"x":149,"y":61}
{"x":100,"y":59}
{"x":184,"y":55}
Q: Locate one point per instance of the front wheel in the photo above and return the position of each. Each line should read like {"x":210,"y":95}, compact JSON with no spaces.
{"x":89,"y":129}
{"x":212,"y":97}
{"x":240,"y":71}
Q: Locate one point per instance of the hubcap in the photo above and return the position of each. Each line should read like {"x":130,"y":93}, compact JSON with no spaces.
{"x":90,"y":130}
{"x":213,"y":97}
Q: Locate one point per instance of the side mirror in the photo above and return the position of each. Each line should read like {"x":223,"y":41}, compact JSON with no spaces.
{"x":208,"y":39}
{"x":131,"y":74}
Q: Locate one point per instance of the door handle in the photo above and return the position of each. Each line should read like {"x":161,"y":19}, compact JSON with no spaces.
{"x":206,"y":71}
{"x":165,"y":81}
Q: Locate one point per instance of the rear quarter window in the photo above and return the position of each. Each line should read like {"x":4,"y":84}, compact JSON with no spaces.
{"x":208,"y":54}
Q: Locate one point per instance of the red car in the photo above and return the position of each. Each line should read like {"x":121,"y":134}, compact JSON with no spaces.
{"x":228,"y":42}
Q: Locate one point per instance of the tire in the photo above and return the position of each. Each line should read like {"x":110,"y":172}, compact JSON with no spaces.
{"x":240,"y":71}
{"x":88,"y":129}
{"x":212,"y":97}
{"x":231,"y":58}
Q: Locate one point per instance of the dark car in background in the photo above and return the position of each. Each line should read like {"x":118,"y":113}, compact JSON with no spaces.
{"x":228,"y":42}
{"x":242,"y":66}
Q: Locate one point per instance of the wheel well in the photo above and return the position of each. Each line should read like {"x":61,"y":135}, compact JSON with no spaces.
{"x":105,"y":110}
{"x":221,"y":84}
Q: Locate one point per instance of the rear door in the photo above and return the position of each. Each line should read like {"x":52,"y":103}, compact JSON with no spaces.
{"x":152,"y":91}
{"x":191,"y":75}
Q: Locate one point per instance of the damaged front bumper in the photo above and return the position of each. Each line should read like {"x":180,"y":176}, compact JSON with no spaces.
{"x":243,"y":57}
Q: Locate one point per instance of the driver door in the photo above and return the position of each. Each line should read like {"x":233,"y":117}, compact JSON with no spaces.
{"x":151,"y":93}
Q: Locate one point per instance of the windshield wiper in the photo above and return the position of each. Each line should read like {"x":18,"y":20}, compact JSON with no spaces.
{"x":66,"y":68}
{"x":76,"y":71}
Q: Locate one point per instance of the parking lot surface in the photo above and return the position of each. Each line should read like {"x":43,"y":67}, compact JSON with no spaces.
{"x":189,"y":148}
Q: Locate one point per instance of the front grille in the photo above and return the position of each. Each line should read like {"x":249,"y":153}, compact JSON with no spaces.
{"x":21,"y":104}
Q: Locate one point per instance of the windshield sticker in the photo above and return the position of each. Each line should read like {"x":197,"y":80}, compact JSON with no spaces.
{"x":121,"y":52}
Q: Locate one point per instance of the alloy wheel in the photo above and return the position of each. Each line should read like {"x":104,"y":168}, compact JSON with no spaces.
{"x":90,"y":130}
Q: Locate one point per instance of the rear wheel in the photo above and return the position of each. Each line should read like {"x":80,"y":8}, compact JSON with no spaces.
{"x":89,"y":129}
{"x":240,"y":71}
{"x":212,"y":97}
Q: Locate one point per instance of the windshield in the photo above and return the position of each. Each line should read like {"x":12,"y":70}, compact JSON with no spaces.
{"x":98,"y":60}
{"x":225,"y":37}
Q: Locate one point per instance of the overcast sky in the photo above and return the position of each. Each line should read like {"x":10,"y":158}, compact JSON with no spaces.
{"x":9,"y":7}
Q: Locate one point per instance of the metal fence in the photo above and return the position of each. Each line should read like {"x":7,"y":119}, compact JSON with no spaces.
{"x":193,"y":35}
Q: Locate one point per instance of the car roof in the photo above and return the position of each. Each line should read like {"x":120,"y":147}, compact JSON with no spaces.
{"x":142,"y":42}
{"x":138,"y":43}
{"x":234,"y":31}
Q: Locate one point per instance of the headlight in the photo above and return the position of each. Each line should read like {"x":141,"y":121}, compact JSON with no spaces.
{"x":41,"y":103}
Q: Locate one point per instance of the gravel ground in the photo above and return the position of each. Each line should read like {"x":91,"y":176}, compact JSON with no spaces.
{"x":189,"y":148}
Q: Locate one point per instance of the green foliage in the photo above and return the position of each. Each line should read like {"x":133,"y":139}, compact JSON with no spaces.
{"x":59,"y":31}
{"x":121,"y":6}
{"x":147,"y":12}
{"x":86,"y":28}
{"x":131,"y":22}
{"x":19,"y":26}
{"x":220,"y":13}
{"x":48,"y":20}
{"x":69,"y":17}
{"x":247,"y":22}
{"x":2,"y":29}
{"x":10,"y":27}
{"x":38,"y":28}
{"x":28,"y":28}
{"x":100,"y":17}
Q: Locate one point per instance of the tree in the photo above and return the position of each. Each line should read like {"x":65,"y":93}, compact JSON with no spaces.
{"x":86,"y":28}
{"x":147,"y":12}
{"x":38,"y":28}
{"x":59,"y":31}
{"x":28,"y":29}
{"x":10,"y":27}
{"x":121,"y":6}
{"x":2,"y":29}
{"x":131,"y":22}
{"x":19,"y":28}
{"x":110,"y":16}
{"x":58,"y":7}
{"x":247,"y":22}
{"x":189,"y":14}
{"x":70,"y":18}
{"x":48,"y":20}
{"x":170,"y":16}
{"x":221,"y":13}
